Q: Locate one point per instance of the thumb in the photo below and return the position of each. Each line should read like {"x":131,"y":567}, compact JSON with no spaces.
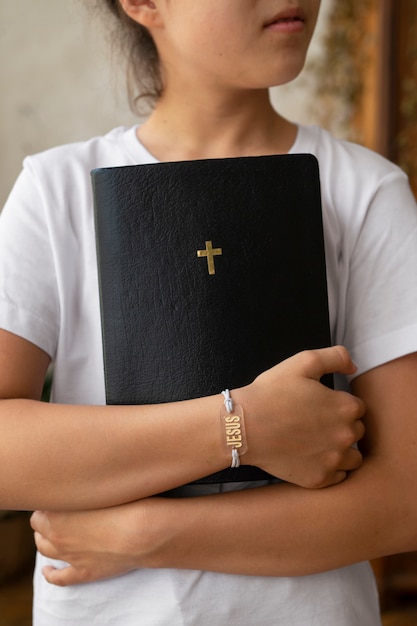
{"x":315,"y":363}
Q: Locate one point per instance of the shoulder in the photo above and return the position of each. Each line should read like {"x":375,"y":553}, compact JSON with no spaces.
{"x":349,"y":172}
{"x":104,"y":150}
{"x":58,"y":179}
{"x":341,"y":156}
{"x":370,"y":224}
{"x":54,"y":187}
{"x":356,"y":181}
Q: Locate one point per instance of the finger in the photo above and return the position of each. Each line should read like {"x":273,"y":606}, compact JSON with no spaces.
{"x":62,"y":577}
{"x":315,"y":363}
{"x":334,"y":359}
{"x":337,"y":478}
{"x":39,"y":521}
{"x":352,"y":460}
{"x":351,"y":410}
{"x":359,"y":429}
{"x":44,"y":546}
{"x":34,"y":520}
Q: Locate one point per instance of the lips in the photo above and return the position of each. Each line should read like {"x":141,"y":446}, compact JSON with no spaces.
{"x":287,"y":16}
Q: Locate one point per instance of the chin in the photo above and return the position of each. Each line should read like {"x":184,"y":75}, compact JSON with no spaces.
{"x":287,"y":75}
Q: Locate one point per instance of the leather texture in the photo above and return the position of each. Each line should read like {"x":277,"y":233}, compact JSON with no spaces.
{"x":171,"y":330}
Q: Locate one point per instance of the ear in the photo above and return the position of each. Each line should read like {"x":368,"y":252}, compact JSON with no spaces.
{"x":144,"y":12}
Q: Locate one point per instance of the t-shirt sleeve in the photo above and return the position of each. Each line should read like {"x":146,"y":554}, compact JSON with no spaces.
{"x":381,"y":294}
{"x":29,"y":305}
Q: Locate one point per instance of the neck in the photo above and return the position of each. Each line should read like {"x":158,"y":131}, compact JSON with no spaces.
{"x":208,"y":126}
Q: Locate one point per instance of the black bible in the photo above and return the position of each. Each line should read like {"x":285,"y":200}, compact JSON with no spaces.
{"x":210,"y":272}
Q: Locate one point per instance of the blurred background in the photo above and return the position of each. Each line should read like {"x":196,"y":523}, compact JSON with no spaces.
{"x":61,"y":81}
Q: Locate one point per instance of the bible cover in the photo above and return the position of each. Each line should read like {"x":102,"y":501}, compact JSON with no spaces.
{"x":210,"y":272}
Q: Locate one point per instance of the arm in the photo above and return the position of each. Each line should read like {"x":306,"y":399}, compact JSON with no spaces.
{"x":292,"y":531}
{"x":280,"y":530}
{"x":85,"y":457}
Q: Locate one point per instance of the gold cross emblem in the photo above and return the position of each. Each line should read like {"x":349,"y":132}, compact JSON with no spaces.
{"x":210,"y":253}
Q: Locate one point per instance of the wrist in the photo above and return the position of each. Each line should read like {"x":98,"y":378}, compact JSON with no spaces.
{"x":244,"y":397}
{"x":162,"y":530}
{"x":233,"y":429}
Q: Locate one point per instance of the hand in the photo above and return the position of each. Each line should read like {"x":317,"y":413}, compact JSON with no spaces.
{"x":96,"y":544}
{"x":298,"y":429}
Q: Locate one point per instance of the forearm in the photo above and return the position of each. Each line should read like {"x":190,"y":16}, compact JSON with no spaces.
{"x":285,"y":530}
{"x":279,"y":530}
{"x":83,"y":457}
{"x":62,"y":457}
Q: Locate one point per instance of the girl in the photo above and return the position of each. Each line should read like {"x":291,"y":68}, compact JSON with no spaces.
{"x":274,"y":554}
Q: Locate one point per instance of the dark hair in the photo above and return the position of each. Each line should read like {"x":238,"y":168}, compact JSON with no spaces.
{"x":143,"y":67}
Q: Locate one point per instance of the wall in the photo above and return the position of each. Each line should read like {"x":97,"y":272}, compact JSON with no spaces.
{"x":58,"y":82}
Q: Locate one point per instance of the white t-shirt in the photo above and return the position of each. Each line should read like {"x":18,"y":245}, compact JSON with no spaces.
{"x":49,"y":295}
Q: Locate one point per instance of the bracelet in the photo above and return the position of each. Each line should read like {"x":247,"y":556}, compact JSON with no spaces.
{"x":233,"y":429}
